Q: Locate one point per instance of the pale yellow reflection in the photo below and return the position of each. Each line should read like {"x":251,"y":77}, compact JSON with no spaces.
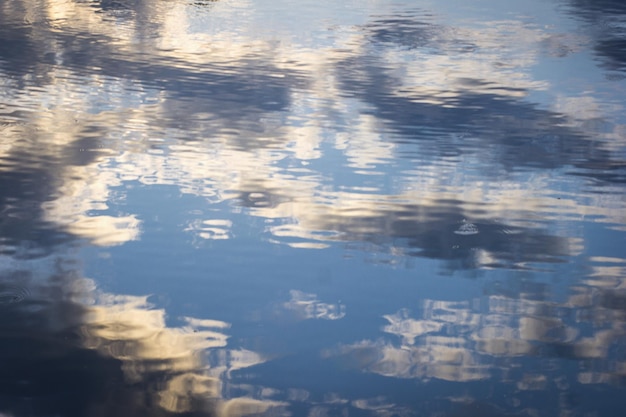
{"x":509,"y":328}
{"x":443,"y":358}
{"x":164,"y":368}
{"x":179,"y":391}
{"x":250,"y":406}
{"x":127,"y":328}
{"x":85,"y":191}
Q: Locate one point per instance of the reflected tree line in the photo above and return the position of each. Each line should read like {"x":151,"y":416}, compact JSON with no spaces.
{"x":106,"y":368}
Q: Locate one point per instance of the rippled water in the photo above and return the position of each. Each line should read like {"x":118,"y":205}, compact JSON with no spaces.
{"x":359,"y":208}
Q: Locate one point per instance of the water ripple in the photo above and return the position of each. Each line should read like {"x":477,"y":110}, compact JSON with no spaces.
{"x":12,"y":295}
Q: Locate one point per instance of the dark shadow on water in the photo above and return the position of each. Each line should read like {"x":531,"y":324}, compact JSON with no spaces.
{"x":605,"y":21}
{"x":59,"y":356}
{"x":23,"y":231}
{"x":437,"y":232}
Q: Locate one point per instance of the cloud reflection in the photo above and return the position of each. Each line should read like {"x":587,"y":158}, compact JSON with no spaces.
{"x":108,"y":353}
{"x":455,"y":341}
{"x":307,"y":306}
{"x":233,"y":118}
{"x":413,"y":137}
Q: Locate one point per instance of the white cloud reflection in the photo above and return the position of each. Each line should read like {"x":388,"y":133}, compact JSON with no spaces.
{"x":458,"y":341}
{"x":219,"y":169}
{"x":307,"y":306}
{"x":147,"y":366}
{"x":310,"y":166}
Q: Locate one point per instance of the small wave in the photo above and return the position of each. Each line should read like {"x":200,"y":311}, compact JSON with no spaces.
{"x":467,"y":229}
{"x":12,"y":295}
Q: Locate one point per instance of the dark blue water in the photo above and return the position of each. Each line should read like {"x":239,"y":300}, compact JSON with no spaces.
{"x":298,"y":208}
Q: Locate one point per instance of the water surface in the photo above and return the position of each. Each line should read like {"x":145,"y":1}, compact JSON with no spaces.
{"x":253,"y":207}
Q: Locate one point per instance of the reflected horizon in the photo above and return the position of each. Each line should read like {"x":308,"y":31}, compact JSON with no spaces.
{"x":364,"y":208}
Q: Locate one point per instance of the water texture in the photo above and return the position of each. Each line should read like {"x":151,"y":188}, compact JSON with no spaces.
{"x":297,"y":208}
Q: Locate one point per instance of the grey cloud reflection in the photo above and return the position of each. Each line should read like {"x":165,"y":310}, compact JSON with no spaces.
{"x":517,"y":134}
{"x":429,"y":231}
{"x":73,"y":350}
{"x":421,"y":95}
